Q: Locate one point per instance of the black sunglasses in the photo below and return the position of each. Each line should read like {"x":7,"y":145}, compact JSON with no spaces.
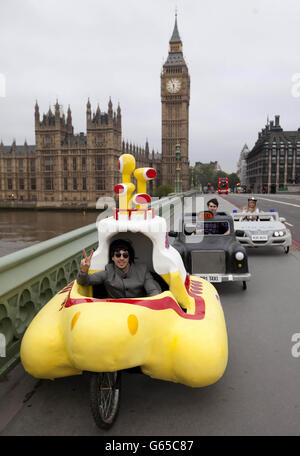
{"x":118,"y":255}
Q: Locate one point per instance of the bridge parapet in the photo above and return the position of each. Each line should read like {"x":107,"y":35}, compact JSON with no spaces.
{"x":29,"y":279}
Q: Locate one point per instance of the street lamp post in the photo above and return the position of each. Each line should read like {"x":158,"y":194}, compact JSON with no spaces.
{"x":192,"y":178}
{"x":178,"y":184}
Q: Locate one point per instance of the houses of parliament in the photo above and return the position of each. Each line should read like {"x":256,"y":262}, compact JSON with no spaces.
{"x":70,"y":170}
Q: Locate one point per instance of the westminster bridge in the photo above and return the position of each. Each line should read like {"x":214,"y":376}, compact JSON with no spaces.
{"x":258,"y":394}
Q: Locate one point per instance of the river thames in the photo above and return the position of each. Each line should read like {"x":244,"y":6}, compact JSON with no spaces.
{"x":22,"y":228}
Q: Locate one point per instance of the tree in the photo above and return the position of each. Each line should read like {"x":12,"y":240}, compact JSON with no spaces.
{"x":204,"y":174}
{"x":164,"y":190}
{"x":233,"y":179}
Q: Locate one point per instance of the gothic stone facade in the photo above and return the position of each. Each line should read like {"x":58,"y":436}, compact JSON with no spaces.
{"x":242,"y":166}
{"x":68,"y":170}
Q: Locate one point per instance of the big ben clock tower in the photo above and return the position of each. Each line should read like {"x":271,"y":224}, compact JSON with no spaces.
{"x":175,"y":100}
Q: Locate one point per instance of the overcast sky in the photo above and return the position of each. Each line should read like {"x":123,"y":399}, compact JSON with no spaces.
{"x":241,"y":56}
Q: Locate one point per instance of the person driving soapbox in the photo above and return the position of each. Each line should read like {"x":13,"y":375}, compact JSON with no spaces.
{"x":122,"y":278}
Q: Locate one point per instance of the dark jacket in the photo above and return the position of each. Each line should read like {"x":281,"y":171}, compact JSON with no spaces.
{"x":136,"y":283}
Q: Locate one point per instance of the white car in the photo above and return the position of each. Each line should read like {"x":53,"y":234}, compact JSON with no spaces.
{"x":264,"y":229}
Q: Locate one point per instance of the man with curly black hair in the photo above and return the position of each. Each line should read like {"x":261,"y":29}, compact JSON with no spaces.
{"x":122,"y":277}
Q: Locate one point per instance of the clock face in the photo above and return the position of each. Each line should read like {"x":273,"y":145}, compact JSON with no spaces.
{"x":173,"y":85}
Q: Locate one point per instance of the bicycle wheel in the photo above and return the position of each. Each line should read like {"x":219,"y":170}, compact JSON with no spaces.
{"x":105,"y":397}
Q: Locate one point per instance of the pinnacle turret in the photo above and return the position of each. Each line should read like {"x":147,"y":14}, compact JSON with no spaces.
{"x":88,"y":111}
{"x":69,"y":118}
{"x":69,"y":121}
{"x":36,"y":114}
{"x":110,"y":111}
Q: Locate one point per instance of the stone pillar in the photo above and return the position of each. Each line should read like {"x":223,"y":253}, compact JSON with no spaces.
{"x":294,"y":167}
{"x":269,"y":171}
{"x":277,"y":170}
{"x":285,"y":169}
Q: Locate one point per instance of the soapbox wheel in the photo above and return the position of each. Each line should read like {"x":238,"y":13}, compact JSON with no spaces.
{"x":244,"y":285}
{"x":105,"y":397}
{"x":286,"y":249}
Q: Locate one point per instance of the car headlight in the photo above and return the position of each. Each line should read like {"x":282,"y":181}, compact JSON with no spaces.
{"x":279,"y":233}
{"x":239,"y":256}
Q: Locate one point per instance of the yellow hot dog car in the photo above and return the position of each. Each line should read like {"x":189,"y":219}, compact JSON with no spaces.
{"x":179,"y":335}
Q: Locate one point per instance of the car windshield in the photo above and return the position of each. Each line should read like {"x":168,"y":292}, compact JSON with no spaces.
{"x":266,"y":218}
{"x":256,"y":217}
{"x":206,"y":228}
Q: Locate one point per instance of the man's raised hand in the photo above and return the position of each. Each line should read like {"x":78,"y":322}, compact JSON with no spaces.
{"x":86,"y":261}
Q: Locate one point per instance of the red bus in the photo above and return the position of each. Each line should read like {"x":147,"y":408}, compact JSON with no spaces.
{"x":223,"y":185}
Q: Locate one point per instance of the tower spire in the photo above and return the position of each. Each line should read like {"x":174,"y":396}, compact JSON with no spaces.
{"x":110,"y":110}
{"x":69,"y":121}
{"x":36,"y":114}
{"x":175,"y":45}
{"x":175,"y":38}
{"x":69,"y":117}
